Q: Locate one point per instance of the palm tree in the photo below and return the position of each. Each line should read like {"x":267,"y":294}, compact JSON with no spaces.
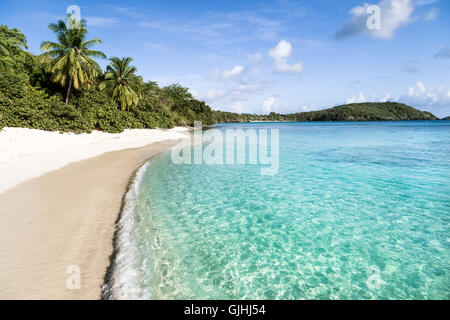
{"x":120,"y":78}
{"x":70,"y":60}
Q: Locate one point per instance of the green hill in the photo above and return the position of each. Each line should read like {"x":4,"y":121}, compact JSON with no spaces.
{"x":368,"y":111}
{"x":372,"y":111}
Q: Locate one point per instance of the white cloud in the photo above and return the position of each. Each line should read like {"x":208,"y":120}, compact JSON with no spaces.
{"x":284,"y":67}
{"x":100,"y":21}
{"x":219,"y":28}
{"x":419,"y":95}
{"x":281,"y":53}
{"x":386,"y":97}
{"x":246,"y":88}
{"x":226,"y":74}
{"x":393,"y":13}
{"x":356,"y":99}
{"x":269,"y":105}
{"x":417,"y":89}
{"x":432,"y":14}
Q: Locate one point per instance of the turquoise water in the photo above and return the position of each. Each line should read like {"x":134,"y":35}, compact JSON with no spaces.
{"x":356,"y":211}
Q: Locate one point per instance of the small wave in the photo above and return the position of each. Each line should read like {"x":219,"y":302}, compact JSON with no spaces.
{"x":122,"y":277}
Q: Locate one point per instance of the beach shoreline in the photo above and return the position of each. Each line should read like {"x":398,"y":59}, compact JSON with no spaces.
{"x":64,"y":219}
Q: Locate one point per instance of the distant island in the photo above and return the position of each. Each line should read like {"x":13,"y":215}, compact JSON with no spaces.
{"x":367,"y":111}
{"x":446,"y":118}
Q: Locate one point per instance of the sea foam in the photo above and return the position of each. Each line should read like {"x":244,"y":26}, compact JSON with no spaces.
{"x":123,"y":278}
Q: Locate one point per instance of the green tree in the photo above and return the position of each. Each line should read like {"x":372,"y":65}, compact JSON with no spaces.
{"x":178,"y":93}
{"x":70,"y":59}
{"x":121,"y":81}
{"x":12,"y":41}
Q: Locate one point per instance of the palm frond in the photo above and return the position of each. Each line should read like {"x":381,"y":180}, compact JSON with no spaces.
{"x":95,"y":54}
{"x":90,"y":43}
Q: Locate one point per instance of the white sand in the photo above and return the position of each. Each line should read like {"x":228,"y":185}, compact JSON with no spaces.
{"x":65,"y":218}
{"x":60,"y":195}
{"x":29,"y":153}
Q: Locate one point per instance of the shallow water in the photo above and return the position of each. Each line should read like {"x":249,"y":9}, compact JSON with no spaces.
{"x":356,"y":211}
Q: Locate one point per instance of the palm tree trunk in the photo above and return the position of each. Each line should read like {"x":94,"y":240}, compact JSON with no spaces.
{"x":68,"y":90}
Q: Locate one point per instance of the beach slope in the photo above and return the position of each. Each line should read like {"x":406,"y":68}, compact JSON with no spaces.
{"x":62,"y":219}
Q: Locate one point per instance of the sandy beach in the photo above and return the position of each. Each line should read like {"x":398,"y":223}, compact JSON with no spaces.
{"x":66,"y":218}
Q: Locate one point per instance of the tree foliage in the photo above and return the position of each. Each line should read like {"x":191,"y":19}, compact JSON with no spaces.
{"x":32,"y":88}
{"x":122,"y":82}
{"x":11,"y":43}
{"x":70,"y":59}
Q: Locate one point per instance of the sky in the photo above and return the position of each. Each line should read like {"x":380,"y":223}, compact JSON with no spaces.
{"x":269,"y":56}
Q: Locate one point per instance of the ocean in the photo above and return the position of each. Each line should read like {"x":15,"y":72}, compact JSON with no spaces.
{"x":355,"y":210}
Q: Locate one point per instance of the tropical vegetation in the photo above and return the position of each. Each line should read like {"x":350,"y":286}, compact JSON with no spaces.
{"x":69,"y":61}
{"x":123,"y":83}
{"x":65,"y":89}
{"x":11,"y":43}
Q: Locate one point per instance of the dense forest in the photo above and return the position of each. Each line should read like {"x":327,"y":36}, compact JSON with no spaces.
{"x":65,"y":89}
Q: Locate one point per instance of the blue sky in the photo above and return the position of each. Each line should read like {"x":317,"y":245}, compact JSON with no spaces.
{"x":263,"y":56}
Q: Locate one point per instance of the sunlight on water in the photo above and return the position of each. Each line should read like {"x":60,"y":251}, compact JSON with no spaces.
{"x":353,"y":204}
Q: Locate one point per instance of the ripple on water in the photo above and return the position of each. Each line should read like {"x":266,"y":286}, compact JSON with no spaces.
{"x":360,"y":200}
